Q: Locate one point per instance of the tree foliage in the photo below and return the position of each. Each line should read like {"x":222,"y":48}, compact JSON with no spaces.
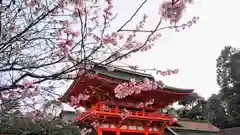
{"x":190,"y":100}
{"x":224,"y":61}
{"x":24,"y":126}
{"x":228,"y":80}
{"x":192,"y":107}
{"x":216,"y":111}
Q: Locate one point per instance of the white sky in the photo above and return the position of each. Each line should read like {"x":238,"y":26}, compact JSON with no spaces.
{"x":193,"y":51}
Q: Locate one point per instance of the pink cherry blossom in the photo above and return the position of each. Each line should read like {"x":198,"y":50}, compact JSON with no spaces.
{"x":70,"y":43}
{"x":75,"y":13}
{"x":75,"y":34}
{"x":62,"y":43}
{"x":30,"y":115}
{"x":172,"y":12}
{"x":35,"y":92}
{"x":107,"y":11}
{"x":126,"y":89}
{"x":90,"y":75}
{"x":141,"y":105}
{"x":75,"y":100}
{"x":148,"y":103}
{"x":81,"y":72}
{"x":83,"y":97}
{"x":169,"y":72}
{"x":13,"y":28}
{"x":125,"y":114}
{"x":85,"y":131}
{"x":81,"y":6}
{"x":27,"y":83}
{"x":189,"y":24}
{"x":35,"y":115}
{"x":66,"y":45}
{"x":96,"y":124}
{"x":160,"y":84}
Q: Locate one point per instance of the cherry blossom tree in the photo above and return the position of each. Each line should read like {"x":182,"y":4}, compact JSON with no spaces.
{"x":45,"y":42}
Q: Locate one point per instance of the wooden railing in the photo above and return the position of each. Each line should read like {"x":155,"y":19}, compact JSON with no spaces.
{"x":100,"y":109}
{"x":116,"y":110}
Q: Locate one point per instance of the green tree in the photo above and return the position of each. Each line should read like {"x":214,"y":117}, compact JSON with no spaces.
{"x":215,"y":111}
{"x":193,"y":107}
{"x":224,"y":61}
{"x":228,"y":79}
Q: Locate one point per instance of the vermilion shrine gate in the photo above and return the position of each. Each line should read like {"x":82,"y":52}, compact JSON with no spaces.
{"x":103,"y":107}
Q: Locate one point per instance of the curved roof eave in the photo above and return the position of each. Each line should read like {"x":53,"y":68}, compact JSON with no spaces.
{"x":122,"y":70}
{"x":175,"y":89}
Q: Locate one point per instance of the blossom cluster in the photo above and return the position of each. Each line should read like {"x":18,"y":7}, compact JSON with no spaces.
{"x":168,"y":72}
{"x":67,"y":34}
{"x":125,"y":113}
{"x":173,"y":11}
{"x":94,"y":124}
{"x":35,"y":115}
{"x":30,"y":90}
{"x":85,"y":131}
{"x":145,"y":104}
{"x":189,"y":24}
{"x":75,"y":100}
{"x":112,"y":38}
{"x":126,"y":89}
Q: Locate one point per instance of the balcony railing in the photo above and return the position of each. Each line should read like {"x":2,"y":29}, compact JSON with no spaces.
{"x":101,"y":108}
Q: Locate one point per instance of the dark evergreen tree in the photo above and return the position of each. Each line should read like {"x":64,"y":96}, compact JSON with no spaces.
{"x":228,"y":79}
{"x":193,"y":107}
{"x":215,"y":111}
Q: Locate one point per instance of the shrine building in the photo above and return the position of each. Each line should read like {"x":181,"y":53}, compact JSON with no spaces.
{"x":104,"y":108}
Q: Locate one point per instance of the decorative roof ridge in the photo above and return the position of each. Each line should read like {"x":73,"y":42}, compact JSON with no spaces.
{"x":121,"y":69}
{"x":176,"y":88}
{"x":170,"y":88}
{"x":143,"y":75}
{"x":127,"y":71}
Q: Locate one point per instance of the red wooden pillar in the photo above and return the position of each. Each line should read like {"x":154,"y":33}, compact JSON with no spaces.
{"x":143,"y":112}
{"x":99,"y":131}
{"x":162,"y":128}
{"x":146,"y":130}
{"x":118,"y":131}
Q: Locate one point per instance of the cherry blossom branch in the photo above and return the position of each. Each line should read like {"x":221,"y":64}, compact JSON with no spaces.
{"x":134,"y":14}
{"x":134,"y":50}
{"x":183,"y":26}
{"x":4,"y":47}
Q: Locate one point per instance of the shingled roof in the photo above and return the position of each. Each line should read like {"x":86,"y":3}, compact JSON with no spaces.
{"x":190,"y":127}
